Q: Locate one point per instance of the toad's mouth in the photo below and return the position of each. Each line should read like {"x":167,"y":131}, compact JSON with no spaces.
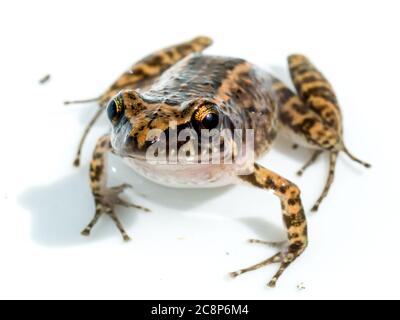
{"x":185,"y":175}
{"x":183,"y":154}
{"x":169,"y":169}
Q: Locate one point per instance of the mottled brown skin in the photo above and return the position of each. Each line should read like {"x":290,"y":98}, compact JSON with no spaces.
{"x":230,"y":83}
{"x":166,"y":86}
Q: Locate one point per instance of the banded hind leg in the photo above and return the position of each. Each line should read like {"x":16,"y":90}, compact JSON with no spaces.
{"x":141,"y":75}
{"x":307,"y":127}
{"x":317,"y":93}
{"x":105,"y":198}
{"x":293,"y":217}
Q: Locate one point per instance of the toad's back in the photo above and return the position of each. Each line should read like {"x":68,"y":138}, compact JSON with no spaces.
{"x":243,"y":91}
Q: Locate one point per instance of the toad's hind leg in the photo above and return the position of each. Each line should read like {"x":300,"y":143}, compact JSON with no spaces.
{"x":317,"y":93}
{"x":313,"y":158}
{"x":331,"y":175}
{"x":313,"y":116}
{"x":332,"y":166}
{"x":293,"y":217}
{"x":105,"y":198}
{"x":303,"y":123}
{"x":141,"y":75}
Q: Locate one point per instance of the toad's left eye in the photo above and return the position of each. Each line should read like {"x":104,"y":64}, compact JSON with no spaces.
{"x":114,"y":110}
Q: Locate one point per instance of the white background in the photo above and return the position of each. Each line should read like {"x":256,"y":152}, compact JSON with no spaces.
{"x":192,"y":238}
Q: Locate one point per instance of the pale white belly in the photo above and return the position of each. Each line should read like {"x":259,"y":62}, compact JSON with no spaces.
{"x":185,"y":176}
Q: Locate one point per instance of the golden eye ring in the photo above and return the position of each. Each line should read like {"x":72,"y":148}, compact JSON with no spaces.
{"x":206,"y":117}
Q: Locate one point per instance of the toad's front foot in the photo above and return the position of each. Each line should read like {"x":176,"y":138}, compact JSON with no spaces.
{"x":285,"y":258}
{"x":105,"y":201}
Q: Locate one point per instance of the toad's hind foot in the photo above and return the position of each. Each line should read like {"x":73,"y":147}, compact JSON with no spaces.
{"x":285,"y":258}
{"x":105,"y":203}
{"x":355,"y":159}
{"x":331,"y":176}
{"x":274,"y":244}
{"x":313,"y":158}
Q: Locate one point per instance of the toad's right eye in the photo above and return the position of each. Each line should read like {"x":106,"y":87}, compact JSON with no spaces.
{"x":115,"y":110}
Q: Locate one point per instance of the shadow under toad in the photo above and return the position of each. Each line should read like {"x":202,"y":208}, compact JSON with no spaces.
{"x":263,"y":229}
{"x":62,"y":209}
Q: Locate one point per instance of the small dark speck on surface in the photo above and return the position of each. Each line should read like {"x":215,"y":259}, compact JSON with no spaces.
{"x":45,"y":79}
{"x":301,"y":287}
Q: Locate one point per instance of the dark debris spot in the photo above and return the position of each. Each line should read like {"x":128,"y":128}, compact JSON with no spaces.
{"x":45,"y":79}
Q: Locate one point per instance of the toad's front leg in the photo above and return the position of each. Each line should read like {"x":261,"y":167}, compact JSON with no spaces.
{"x":105,"y":198}
{"x":293,"y":217}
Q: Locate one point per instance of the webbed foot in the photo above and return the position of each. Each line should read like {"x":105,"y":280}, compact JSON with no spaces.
{"x":105,"y":202}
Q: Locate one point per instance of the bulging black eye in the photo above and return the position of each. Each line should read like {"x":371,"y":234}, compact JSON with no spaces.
{"x":114,"y":111}
{"x":206,"y":117}
{"x":210,"y":121}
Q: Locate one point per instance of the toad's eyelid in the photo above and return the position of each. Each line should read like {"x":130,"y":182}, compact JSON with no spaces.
{"x":204,"y":111}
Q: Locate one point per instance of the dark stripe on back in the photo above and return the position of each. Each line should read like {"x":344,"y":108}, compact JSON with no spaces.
{"x":196,"y":76}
